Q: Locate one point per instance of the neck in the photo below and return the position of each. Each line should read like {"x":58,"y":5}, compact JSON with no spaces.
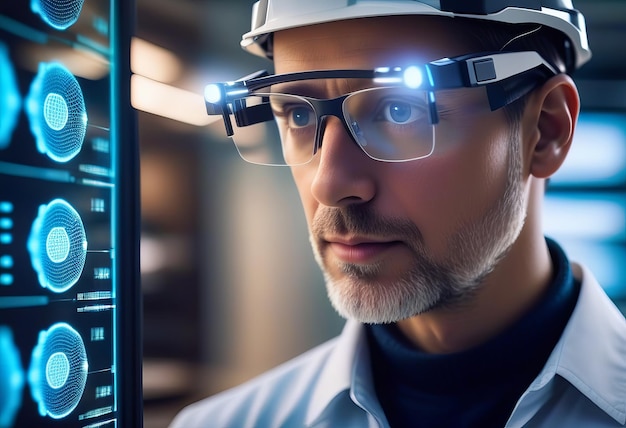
{"x":505,"y":295}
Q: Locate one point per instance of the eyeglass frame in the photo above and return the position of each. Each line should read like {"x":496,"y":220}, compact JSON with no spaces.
{"x":507,"y":76}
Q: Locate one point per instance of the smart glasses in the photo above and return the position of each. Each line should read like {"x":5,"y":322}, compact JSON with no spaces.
{"x":393,"y":119}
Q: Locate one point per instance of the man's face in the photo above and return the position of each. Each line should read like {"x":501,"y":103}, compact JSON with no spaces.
{"x":397,"y":239}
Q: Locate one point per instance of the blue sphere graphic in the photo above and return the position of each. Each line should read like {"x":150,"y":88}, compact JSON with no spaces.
{"x":59,"y":14}
{"x":58,"y":371}
{"x":56,"y":111}
{"x":58,"y":246}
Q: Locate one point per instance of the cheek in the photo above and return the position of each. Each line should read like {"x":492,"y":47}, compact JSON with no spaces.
{"x":456,"y":186}
{"x":461,"y":186}
{"x":473,"y":160}
{"x":303,"y":177}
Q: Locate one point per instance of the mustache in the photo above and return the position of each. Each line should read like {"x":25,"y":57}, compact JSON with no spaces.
{"x":362,"y":219}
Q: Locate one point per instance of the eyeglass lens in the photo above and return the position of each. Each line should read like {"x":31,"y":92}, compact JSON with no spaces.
{"x":388,"y":123}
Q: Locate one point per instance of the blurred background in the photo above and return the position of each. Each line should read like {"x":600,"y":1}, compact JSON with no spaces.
{"x":230,"y":286}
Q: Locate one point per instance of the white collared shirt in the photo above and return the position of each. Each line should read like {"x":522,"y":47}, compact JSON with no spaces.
{"x":582,"y":385}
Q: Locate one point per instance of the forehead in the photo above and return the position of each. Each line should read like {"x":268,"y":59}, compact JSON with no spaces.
{"x":367,"y":43}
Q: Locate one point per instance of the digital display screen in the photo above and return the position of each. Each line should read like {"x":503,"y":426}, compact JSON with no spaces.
{"x":63,"y":291}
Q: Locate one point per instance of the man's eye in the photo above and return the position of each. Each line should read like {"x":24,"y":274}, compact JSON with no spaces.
{"x":300,"y":117}
{"x":399,"y":112}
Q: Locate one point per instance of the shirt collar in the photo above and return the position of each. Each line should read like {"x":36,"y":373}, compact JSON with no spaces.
{"x":346,"y":374}
{"x":590,"y":353}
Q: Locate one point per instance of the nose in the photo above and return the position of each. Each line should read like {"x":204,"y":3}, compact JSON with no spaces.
{"x":345,"y":174}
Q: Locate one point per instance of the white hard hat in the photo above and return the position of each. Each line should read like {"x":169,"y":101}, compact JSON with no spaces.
{"x":269,"y":16}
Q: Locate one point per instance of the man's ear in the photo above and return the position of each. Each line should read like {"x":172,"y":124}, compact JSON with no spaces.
{"x":553,"y":110}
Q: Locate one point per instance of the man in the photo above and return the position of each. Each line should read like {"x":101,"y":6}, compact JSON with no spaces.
{"x":421,"y":152}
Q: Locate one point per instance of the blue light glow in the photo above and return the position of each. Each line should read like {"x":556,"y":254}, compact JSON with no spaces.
{"x":388,"y":76}
{"x":429,"y":74}
{"x":598,"y":153}
{"x":6,"y":262}
{"x":603,"y":217}
{"x":6,"y":238}
{"x":10,"y":101}
{"x":605,"y":259}
{"x":6,"y":279}
{"x":14,"y":302}
{"x":101,"y":25}
{"x":56,"y":112}
{"x":57,"y":14}
{"x":97,"y":334}
{"x":591,"y":227}
{"x":104,"y":391}
{"x":58,"y":371}
{"x":6,"y":207}
{"x":11,"y":378}
{"x":413,"y":77}
{"x":212,"y":93}
{"x":6,"y":223}
{"x":58,"y":246}
{"x":101,"y":145}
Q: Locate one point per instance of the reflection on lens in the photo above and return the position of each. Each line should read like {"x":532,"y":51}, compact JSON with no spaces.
{"x":56,"y":111}
{"x":58,"y":246}
{"x":297,"y":125}
{"x":10,"y":100}
{"x":58,"y":371}
{"x":390,"y":124}
{"x":11,"y":378}
{"x":59,"y":14}
{"x":257,"y":143}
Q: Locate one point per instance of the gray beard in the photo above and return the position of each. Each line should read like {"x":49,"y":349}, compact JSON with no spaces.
{"x":473,"y":252}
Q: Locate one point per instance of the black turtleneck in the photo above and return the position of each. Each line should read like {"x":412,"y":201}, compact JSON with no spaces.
{"x":478,"y":387}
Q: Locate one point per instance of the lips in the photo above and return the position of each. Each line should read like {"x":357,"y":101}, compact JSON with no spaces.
{"x":360,"y":252}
